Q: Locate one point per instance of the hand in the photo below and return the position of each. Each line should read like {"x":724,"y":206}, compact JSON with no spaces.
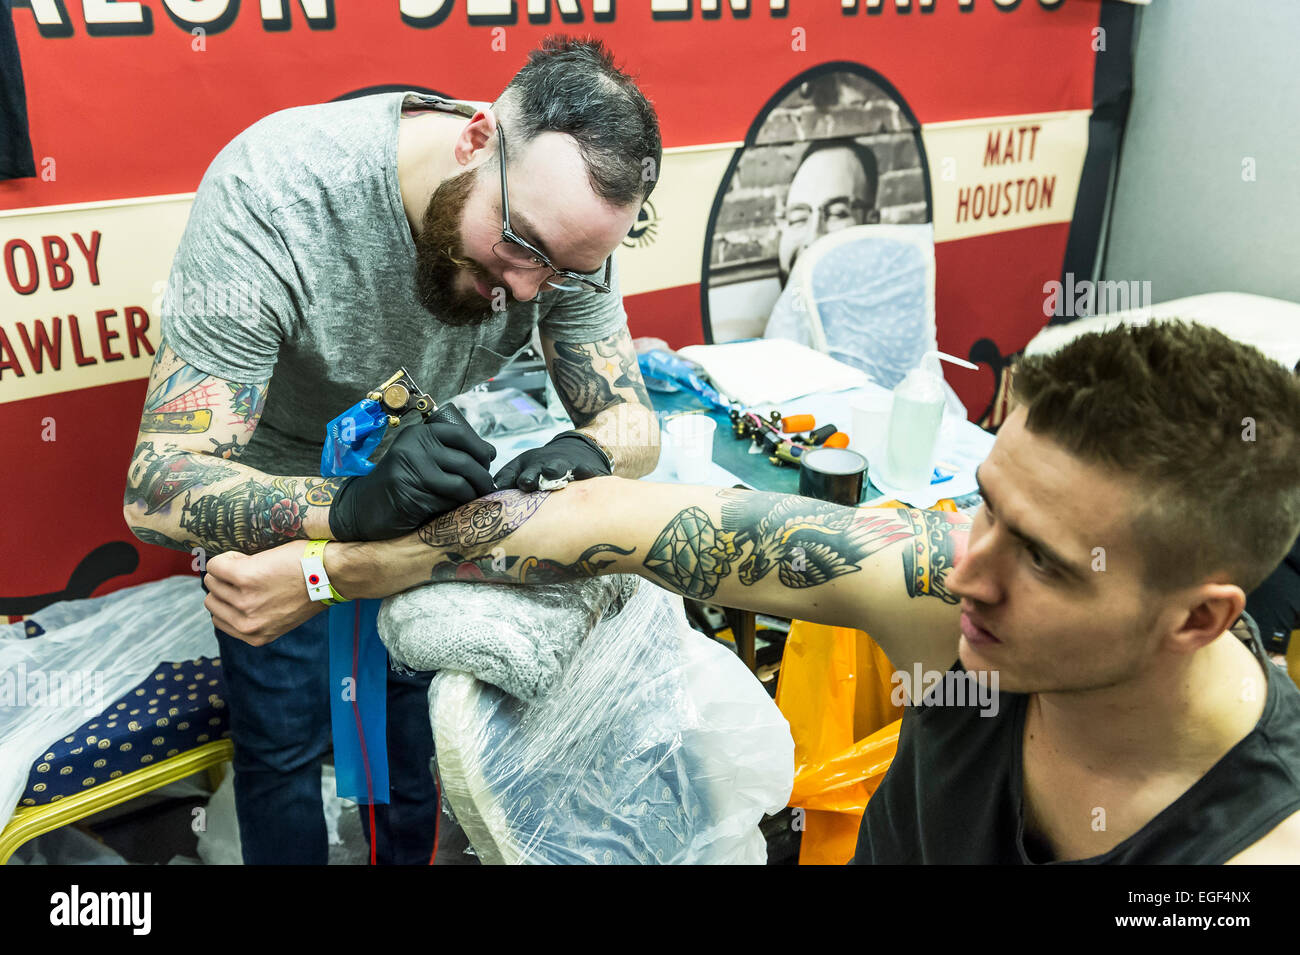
{"x":258,"y":597}
{"x":566,"y":452}
{"x":430,"y":469}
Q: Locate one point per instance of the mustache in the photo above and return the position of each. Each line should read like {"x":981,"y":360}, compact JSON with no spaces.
{"x":476,"y":270}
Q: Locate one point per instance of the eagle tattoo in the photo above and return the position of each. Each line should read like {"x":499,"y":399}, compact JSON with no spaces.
{"x":808,"y":542}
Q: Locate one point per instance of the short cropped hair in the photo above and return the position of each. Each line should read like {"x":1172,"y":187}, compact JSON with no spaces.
{"x":1207,"y":428}
{"x":865,"y":156}
{"x":572,"y":86}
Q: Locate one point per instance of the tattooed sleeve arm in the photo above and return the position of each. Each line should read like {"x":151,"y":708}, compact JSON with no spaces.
{"x":881,"y":570}
{"x":601,"y":387}
{"x":185,"y":488}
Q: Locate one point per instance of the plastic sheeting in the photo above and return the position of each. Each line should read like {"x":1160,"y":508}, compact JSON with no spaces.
{"x":520,"y":639}
{"x":656,"y":746}
{"x":92,"y":652}
{"x":865,"y":296}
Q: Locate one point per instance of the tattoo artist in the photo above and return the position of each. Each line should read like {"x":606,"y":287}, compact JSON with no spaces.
{"x":327,"y":246}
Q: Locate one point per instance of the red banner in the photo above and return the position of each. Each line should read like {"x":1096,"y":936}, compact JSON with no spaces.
{"x":975,"y":113}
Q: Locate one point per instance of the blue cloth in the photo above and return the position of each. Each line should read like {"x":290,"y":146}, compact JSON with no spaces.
{"x":279,"y":696}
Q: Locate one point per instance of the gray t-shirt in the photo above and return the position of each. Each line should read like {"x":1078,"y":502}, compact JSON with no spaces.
{"x":297,"y":266}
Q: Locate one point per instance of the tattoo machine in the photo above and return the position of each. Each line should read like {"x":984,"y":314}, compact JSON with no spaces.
{"x":766,"y":433}
{"x":400,"y":394}
{"x":771,"y":434}
{"x":353,"y":436}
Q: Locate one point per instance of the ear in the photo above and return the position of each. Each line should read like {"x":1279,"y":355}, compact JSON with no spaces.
{"x":1213,"y":609}
{"x":475,"y":136}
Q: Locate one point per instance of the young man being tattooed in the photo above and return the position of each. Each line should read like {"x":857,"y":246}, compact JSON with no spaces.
{"x":1099,"y":590}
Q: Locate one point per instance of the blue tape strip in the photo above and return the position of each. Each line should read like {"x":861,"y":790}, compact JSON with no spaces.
{"x":358,"y":660}
{"x":359,"y":702}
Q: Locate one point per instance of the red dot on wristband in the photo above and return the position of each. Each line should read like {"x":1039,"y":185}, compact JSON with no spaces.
{"x":314,"y":579}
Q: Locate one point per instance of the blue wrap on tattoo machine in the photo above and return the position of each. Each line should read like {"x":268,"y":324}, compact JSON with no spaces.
{"x":351,"y":438}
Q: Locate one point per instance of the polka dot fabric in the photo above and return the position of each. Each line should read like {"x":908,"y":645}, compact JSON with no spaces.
{"x":178,"y":707}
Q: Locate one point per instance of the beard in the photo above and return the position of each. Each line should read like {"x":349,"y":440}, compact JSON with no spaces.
{"x":440,"y":259}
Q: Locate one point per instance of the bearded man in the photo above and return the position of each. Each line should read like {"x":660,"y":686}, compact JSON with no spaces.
{"x":327,"y":246}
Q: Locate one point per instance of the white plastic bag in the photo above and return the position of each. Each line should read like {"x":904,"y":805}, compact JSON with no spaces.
{"x":101,"y":647}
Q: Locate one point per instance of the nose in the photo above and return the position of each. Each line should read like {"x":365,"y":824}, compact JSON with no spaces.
{"x":823,"y":223}
{"x":526,"y":284}
{"x":977,"y":575}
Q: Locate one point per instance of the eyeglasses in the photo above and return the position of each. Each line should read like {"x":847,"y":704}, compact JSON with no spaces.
{"x":835,"y":213}
{"x":518,"y":253}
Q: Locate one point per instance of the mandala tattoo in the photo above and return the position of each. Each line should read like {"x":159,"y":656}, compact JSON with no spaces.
{"x":808,"y":542}
{"x":483,"y":521}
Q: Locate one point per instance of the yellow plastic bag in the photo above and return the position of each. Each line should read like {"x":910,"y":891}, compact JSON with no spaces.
{"x":834,"y":688}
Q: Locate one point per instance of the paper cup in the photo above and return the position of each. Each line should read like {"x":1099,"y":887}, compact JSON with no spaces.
{"x":870,"y":422}
{"x":691,"y":438}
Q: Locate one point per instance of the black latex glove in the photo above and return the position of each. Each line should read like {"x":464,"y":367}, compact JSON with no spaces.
{"x":565,"y":452}
{"x":431,"y":468}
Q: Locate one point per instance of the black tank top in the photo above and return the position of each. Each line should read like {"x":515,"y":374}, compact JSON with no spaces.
{"x":953,"y":793}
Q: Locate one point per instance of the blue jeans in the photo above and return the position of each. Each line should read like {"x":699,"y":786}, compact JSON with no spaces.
{"x":280,"y":726}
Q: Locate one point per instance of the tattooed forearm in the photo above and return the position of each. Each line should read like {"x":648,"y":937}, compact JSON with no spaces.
{"x":767,"y":552}
{"x":483,"y":521}
{"x":526,"y":570}
{"x":251,"y":516}
{"x":185,"y":487}
{"x":809,"y":542}
{"x":247,"y":516}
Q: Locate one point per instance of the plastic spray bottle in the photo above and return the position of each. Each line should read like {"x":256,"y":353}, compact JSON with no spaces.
{"x":914,"y":422}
